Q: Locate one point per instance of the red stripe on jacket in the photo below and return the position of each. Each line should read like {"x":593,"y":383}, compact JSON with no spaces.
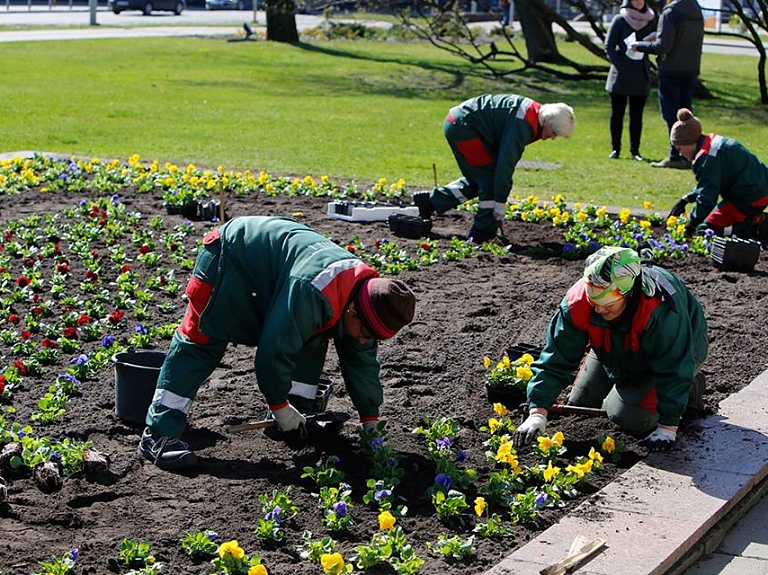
{"x":530,"y":109}
{"x":339,"y":290}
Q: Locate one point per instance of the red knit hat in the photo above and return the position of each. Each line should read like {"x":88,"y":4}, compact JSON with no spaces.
{"x":386,"y":306}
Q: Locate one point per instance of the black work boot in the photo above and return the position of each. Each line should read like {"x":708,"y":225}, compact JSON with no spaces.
{"x":422,"y":201}
{"x":167,"y":453}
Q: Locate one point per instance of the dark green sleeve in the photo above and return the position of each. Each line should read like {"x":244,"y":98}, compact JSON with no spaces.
{"x":360,"y":369}
{"x":709,"y":175}
{"x":296,"y":313}
{"x":559,"y":359}
{"x":517,"y":135}
{"x":668,"y":343}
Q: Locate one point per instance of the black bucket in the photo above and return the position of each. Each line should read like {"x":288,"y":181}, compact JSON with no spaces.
{"x":135,"y":381}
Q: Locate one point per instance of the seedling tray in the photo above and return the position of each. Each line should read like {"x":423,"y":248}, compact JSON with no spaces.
{"x":368,"y":211}
{"x":515,"y":351}
{"x":324,"y":393}
{"x":735,"y":253}
{"x":408,"y":226}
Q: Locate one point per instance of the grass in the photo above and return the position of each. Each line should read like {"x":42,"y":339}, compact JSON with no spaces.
{"x":351,"y":110}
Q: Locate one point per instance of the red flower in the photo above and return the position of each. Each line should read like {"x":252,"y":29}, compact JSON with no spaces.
{"x":27,"y":262}
{"x":125,"y":268}
{"x":62,"y":268}
{"x":425,"y":246}
{"x":95,"y":254}
{"x":351,"y":249}
{"x":92,"y":275}
{"x":18,"y":364}
{"x":26,"y":334}
{"x":37,"y":311}
{"x":2,"y":383}
{"x":116,"y":317}
{"x":14,"y":318}
{"x":145,"y":249}
{"x":48,"y":342}
{"x":173,"y":247}
{"x":35,"y":297}
{"x":22,"y":281}
{"x":82,"y":320}
{"x":69,"y":332}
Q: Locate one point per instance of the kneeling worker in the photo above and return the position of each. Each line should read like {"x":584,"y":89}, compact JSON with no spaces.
{"x":647,"y":340}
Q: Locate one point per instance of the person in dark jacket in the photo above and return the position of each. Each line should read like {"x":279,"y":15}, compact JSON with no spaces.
{"x":630,"y":73}
{"x":646,"y":337}
{"x":678,"y":44}
{"x":488,"y":135}
{"x":723,"y":167}
{"x":278,"y":285}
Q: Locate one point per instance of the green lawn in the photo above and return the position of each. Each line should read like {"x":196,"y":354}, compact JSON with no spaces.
{"x":355,"y":110}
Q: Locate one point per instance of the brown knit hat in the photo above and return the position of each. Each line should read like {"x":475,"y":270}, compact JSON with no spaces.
{"x":387,"y":306}
{"x":686,"y":130}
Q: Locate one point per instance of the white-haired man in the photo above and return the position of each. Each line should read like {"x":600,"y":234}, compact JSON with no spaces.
{"x":488,"y":135}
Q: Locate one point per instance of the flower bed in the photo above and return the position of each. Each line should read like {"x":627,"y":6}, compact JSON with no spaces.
{"x":117,"y":275}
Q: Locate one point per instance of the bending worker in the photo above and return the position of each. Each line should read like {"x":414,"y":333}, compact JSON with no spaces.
{"x":278,"y":285}
{"x":723,"y":167}
{"x":488,"y":135}
{"x":646,"y":337}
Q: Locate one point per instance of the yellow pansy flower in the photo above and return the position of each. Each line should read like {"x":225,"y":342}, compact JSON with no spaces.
{"x":487,"y":362}
{"x":595,"y":455}
{"x":647,"y":205}
{"x":526,"y":358}
{"x":332,"y":563}
{"x":258,"y":570}
{"x":645,"y":224}
{"x":500,"y":409}
{"x":550,"y":472}
{"x":624,"y":215}
{"x":480,"y":506}
{"x":609,"y":445}
{"x":545,"y":442}
{"x":558,"y":438}
{"x":493,"y":425}
{"x":386,"y":521}
{"x":231,"y":548}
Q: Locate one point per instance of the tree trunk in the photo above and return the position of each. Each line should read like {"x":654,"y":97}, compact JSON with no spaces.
{"x":281,"y":21}
{"x":539,"y":38}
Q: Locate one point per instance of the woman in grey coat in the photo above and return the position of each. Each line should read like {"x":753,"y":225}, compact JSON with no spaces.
{"x":630,"y":74}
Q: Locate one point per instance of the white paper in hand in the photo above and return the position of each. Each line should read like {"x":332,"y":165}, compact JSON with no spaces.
{"x":632,"y":54}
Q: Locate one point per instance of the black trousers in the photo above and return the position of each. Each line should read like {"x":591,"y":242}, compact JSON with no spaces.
{"x":636,"y":106}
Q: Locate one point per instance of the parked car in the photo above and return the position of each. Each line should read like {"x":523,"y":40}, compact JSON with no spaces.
{"x":228,"y":4}
{"x":146,"y":6}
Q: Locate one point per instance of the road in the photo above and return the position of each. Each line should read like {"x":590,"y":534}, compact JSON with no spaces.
{"x":64,"y":23}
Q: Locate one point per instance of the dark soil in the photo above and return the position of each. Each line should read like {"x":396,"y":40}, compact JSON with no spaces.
{"x":467,"y":309}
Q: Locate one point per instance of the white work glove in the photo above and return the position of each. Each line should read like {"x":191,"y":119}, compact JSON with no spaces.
{"x":662,"y":438}
{"x":370,"y":425}
{"x":529,"y":430}
{"x":288,"y":418}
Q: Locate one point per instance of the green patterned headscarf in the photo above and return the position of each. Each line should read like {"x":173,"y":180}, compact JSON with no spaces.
{"x":610,"y":274}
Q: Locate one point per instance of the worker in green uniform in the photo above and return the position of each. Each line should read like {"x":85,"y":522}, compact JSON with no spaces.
{"x":723,"y":167}
{"x":278,"y":285}
{"x":646,"y":340}
{"x":488,"y":135}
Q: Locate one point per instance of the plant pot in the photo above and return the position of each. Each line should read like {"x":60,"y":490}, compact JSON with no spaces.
{"x":136,"y":375}
{"x":173,"y":209}
{"x":509,"y":397}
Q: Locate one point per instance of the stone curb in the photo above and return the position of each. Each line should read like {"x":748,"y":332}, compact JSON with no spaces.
{"x":655,"y":514}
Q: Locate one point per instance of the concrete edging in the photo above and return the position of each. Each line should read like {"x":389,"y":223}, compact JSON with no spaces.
{"x":660,"y":509}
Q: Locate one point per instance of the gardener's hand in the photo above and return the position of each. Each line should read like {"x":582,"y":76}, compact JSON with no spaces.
{"x":287,"y":417}
{"x":530,"y":429}
{"x":679,"y":208}
{"x":662,"y":438}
